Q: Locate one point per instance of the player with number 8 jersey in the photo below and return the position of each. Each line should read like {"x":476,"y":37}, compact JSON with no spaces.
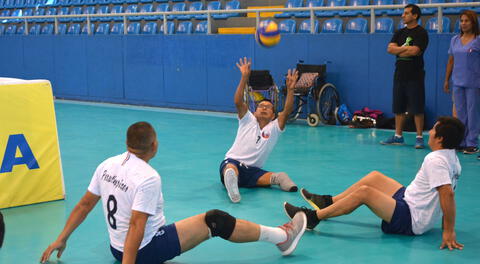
{"x":125,"y":183}
{"x":132,"y":201}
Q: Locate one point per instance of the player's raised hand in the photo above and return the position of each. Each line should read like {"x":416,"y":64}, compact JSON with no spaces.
{"x":244,"y":65}
{"x":292,"y":76}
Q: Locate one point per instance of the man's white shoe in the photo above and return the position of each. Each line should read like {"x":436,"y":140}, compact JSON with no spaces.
{"x":231,"y":183}
{"x":295,"y":230}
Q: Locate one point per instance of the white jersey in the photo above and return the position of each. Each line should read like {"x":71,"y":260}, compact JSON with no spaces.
{"x":253,"y":145}
{"x":439,"y":168}
{"x":127,"y":183}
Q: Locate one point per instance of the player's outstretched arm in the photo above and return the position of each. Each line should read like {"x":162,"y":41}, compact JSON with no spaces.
{"x":447,"y":202}
{"x":292,"y":77}
{"x":134,"y":236}
{"x":79,"y":213}
{"x":244,"y":65}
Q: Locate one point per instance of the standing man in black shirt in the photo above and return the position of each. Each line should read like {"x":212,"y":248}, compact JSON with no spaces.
{"x":408,"y":44}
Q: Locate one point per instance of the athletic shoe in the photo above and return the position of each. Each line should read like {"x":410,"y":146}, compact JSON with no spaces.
{"x":231,"y":183}
{"x":316,"y":201}
{"x":393,"y":140}
{"x":419,"y":143}
{"x":312,"y":220}
{"x":470,"y":150}
{"x":294,"y":230}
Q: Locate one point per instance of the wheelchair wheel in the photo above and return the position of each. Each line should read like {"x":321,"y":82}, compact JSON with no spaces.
{"x":313,"y":120}
{"x":328,"y":100}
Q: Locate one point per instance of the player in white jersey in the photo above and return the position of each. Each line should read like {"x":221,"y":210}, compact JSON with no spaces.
{"x":257,"y":135}
{"x":409,"y":211}
{"x":132,"y":202}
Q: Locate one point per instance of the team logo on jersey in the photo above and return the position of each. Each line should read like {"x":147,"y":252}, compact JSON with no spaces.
{"x":265,"y":135}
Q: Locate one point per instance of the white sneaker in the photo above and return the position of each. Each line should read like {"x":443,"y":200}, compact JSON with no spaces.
{"x":294,"y":230}
{"x":231,"y":183}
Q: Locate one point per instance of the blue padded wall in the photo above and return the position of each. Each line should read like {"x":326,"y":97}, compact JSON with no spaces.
{"x":380,"y":73}
{"x":199,"y":72}
{"x":222,"y":73}
{"x":71,"y":66}
{"x":443,"y":104}
{"x":38,"y":59}
{"x":11,"y":56}
{"x":143,"y":69}
{"x":105,"y":67}
{"x":185,"y":71}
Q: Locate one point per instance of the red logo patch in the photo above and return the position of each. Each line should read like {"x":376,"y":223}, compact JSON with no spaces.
{"x":265,"y":135}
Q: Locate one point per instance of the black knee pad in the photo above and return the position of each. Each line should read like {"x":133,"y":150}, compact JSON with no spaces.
{"x":220,"y":223}
{"x":2,"y":229}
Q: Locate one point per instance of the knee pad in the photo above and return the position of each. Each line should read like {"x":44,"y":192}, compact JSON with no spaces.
{"x":2,"y":229}
{"x":220,"y":223}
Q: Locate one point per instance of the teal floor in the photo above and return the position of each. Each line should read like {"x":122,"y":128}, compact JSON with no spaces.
{"x":325,"y":159}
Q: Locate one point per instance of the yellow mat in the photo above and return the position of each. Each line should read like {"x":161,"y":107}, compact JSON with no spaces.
{"x":263,"y":14}
{"x":237,"y":30}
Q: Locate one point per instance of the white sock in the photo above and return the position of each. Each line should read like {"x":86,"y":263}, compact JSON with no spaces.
{"x":419,"y":136}
{"x":272,"y":234}
{"x":397,"y":135}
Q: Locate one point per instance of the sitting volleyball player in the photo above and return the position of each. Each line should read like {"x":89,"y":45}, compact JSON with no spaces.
{"x":256,"y":137}
{"x":132,"y":201}
{"x":409,"y":211}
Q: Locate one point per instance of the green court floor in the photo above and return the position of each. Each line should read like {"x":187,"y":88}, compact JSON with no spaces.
{"x":325,"y":159}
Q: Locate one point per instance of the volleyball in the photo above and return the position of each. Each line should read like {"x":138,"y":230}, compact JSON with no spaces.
{"x":267,"y":33}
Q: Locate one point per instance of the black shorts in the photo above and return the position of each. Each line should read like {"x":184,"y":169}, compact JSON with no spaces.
{"x":409,"y":96}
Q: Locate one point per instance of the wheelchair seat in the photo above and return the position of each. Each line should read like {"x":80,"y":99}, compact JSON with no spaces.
{"x":309,"y":76}
{"x":260,"y":86}
{"x":260,"y":80}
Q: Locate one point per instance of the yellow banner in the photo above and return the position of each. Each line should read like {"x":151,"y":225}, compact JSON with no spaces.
{"x":30,"y":166}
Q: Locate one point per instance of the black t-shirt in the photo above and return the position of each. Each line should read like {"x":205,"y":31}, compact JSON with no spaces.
{"x":408,"y":68}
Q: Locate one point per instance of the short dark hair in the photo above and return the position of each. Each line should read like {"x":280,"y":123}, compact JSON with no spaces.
{"x":415,"y":10}
{"x":451,"y":130}
{"x":265,"y":100}
{"x":140,"y":136}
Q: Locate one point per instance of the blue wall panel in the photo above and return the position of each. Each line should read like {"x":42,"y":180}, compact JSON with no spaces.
{"x":70,"y":63}
{"x":347,"y":56}
{"x":143,"y":69}
{"x":11,"y":57}
{"x":381,"y":68}
{"x":199,"y":72}
{"x":444,"y":100}
{"x":430,"y":59}
{"x":185,"y":70}
{"x":222,"y":73}
{"x":105,"y":66}
{"x":38,"y":59}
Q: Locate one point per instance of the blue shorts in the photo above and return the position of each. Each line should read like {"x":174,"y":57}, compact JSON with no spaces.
{"x":164,"y":246}
{"x":248,"y":175}
{"x":401,"y":222}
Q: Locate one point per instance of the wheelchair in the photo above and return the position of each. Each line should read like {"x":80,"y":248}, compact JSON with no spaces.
{"x":260,"y":86}
{"x":313,"y":95}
